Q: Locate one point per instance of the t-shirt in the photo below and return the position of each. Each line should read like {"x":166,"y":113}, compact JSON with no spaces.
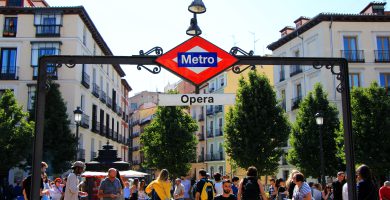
{"x":110,"y":187}
{"x":218,"y":188}
{"x":200,"y":184}
{"x":230,"y":197}
{"x":234,"y":189}
{"x":179,"y":189}
{"x":384,"y":192}
{"x":27,"y":185}
{"x":301,"y":192}
{"x":187,"y":186}
{"x":338,"y":190}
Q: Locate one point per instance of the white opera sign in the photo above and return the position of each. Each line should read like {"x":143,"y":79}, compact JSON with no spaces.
{"x":195,"y":99}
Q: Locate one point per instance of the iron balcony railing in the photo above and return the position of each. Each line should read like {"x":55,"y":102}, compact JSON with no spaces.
{"x":103,"y":131}
{"x":9,"y":31}
{"x":11,"y":73}
{"x":120,"y":139}
{"x":115,"y":136}
{"x":95,"y":127}
{"x":295,"y":102}
{"x":353,"y":55}
{"x":109,"y":102}
{"x":136,"y":148}
{"x":93,"y":155}
{"x":81,"y":154}
{"x":85,"y":80}
{"x":135,"y":134}
{"x":95,"y":90}
{"x":48,"y":30}
{"x":218,"y":132}
{"x":210,"y":110}
{"x":218,"y":109}
{"x":295,"y":69}
{"x":102,"y":96}
{"x":201,"y":117}
{"x":84,"y":121}
{"x":382,"y":56}
{"x":201,"y":136}
{"x":210,"y":133}
{"x":136,"y":162}
{"x":110,"y":133}
{"x":215,"y":156}
{"x":201,"y":159}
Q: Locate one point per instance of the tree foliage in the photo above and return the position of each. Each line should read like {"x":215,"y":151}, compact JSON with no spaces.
{"x":371,"y":127}
{"x":169,"y":141}
{"x":16,"y":132}
{"x":256,"y":126}
{"x":304,"y":138}
{"x":59,"y":144}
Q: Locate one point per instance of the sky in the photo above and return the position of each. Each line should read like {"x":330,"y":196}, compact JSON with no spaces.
{"x":129,"y":26}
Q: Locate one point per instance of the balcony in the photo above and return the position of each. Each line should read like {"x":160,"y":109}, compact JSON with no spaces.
{"x":48,"y":30}
{"x":120,"y":139}
{"x":95,"y":127}
{"x":115,"y":136}
{"x":136,"y":162}
{"x":110,"y":133}
{"x":201,"y":117}
{"x":295,"y":102}
{"x":95,"y":90}
{"x":51,"y":72}
{"x":215,"y":157}
{"x":103,"y":131}
{"x":382,"y":56}
{"x":118,"y":111}
{"x":10,"y":74}
{"x":210,"y":133}
{"x":201,"y":137}
{"x":81,"y":155}
{"x":218,"y":132}
{"x":136,"y":148}
{"x":84,"y":121}
{"x":135,"y":134}
{"x":85,"y":80}
{"x":103,"y":96}
{"x":218,"y":109}
{"x":201,"y":158}
{"x":353,"y":55}
{"x":109,"y":102}
{"x":295,"y":69}
{"x":93,"y":155}
{"x":210,"y":110}
{"x":135,"y":122}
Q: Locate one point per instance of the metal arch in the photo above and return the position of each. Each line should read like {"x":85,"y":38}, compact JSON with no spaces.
{"x":237,"y":68}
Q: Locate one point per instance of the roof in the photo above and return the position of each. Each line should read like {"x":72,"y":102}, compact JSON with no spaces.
{"x":126,"y":84}
{"x":300,"y":18}
{"x":328,"y":17}
{"x":287,"y":27}
{"x":371,"y":4}
{"x":79,"y":10}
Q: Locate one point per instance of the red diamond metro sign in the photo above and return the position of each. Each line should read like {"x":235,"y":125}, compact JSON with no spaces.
{"x":197,"y":60}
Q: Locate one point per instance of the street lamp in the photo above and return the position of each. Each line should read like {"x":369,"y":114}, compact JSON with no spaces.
{"x":320,"y":121}
{"x":196,"y":7}
{"x":78,"y":113}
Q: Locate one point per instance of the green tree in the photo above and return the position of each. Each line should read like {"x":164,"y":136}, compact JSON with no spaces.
{"x":59,"y":144}
{"x":304,"y":138}
{"x":371,"y":128}
{"x":169,"y":141}
{"x":256,"y":127}
{"x":16,"y":132}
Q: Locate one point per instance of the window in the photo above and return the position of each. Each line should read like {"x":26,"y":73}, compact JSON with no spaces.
{"x":8,"y":64}
{"x":48,"y":24}
{"x":82,"y":102}
{"x":17,"y":3}
{"x":222,"y":81}
{"x":295,"y":69}
{"x":382,"y":54}
{"x":351,"y":52}
{"x":299,"y":90}
{"x":384,"y":80}
{"x":211,"y":171}
{"x":40,"y":49}
{"x":283,"y":97}
{"x":10,"y":25}
{"x":285,"y":174}
{"x":354,"y":80}
{"x":350,"y":43}
{"x":221,"y":170}
{"x":281,"y":74}
{"x":220,"y":123}
{"x":31,"y":97}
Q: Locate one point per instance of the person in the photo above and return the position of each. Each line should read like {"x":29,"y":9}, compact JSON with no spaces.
{"x":282,"y":191}
{"x":27,"y":183}
{"x":187,"y":187}
{"x":290,"y":183}
{"x":316,"y":191}
{"x":179,"y":190}
{"x":227,"y":191}
{"x":345,"y":191}
{"x":250,"y":187}
{"x":218,"y":184}
{"x":338,"y":186}
{"x":366,"y":188}
{"x":235,"y":185}
{"x":72,"y":190}
{"x":46,"y":186}
{"x":204,"y":188}
{"x":110,"y":188}
{"x":18,"y":190}
{"x":118,"y":176}
{"x":126,"y":191}
{"x":327,"y":194}
{"x":134,"y":190}
{"x":384,"y":191}
{"x":160,"y":187}
{"x":272,"y":189}
{"x":56,"y":191}
{"x":302,"y":190}
{"x":141,"y":191}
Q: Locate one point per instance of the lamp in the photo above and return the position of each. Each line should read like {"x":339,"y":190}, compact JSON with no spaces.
{"x":194,"y":29}
{"x":197,"y":7}
{"x":319,"y":118}
{"x":77,"y":114}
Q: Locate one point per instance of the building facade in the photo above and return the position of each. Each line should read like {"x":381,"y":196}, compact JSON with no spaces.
{"x":363,"y":39}
{"x":30,"y":29}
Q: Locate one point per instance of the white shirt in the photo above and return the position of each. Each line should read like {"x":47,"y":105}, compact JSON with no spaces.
{"x":218,"y":188}
{"x":72,"y":187}
{"x":187,"y":186}
{"x":345,"y":191}
{"x":56,"y":193}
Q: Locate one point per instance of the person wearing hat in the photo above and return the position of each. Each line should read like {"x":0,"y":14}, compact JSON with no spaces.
{"x":384,"y":192}
{"x":72,"y":185}
{"x":179,"y":190}
{"x":56,"y":191}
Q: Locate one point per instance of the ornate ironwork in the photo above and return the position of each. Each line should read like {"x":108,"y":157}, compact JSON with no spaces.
{"x":158,"y":50}
{"x":340,"y":87}
{"x":237,"y":68}
{"x":235,"y":50}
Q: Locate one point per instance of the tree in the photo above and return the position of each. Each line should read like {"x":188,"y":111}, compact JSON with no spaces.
{"x":16,"y":132}
{"x":371,"y":128}
{"x":256,"y":127}
{"x":304,"y":138}
{"x":169,"y":141}
{"x":59,"y":144}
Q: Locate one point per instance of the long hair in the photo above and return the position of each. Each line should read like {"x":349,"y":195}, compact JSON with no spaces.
{"x":289,"y":180}
{"x":364,"y":172}
{"x":118,"y":176}
{"x":163,"y":176}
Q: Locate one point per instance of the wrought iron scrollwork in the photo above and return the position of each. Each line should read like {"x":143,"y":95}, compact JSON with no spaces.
{"x":237,"y":68}
{"x":339,"y":76}
{"x":156,"y":69}
{"x":157,"y":50}
{"x":235,"y":50}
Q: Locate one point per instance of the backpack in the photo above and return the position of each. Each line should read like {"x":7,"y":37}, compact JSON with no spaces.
{"x":207,"y":191}
{"x":250,"y":189}
{"x":155,"y":195}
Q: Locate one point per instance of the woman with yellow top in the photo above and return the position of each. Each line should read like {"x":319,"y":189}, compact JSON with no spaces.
{"x":161,"y":186}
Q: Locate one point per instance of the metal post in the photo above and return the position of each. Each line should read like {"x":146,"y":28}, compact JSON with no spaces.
{"x":39,"y":126}
{"x":77,"y":138}
{"x":322,"y":159}
{"x":348,"y":136}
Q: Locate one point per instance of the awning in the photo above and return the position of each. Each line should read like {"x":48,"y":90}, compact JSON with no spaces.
{"x":126,"y":174}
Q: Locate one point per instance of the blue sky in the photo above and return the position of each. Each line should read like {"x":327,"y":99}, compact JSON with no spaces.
{"x":132,"y":25}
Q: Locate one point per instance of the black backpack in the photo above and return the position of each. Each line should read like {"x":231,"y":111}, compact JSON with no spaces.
{"x":250,"y":189}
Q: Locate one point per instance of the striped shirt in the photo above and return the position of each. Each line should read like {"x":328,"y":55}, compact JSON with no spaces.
{"x":301,"y":192}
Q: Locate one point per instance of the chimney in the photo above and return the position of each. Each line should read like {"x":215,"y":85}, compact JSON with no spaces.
{"x":376,"y":8}
{"x":300,"y":21}
{"x":287,"y":30}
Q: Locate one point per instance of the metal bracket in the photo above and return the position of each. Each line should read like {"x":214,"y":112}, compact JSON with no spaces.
{"x":156,"y":69}
{"x":236,"y":69}
{"x":340,"y":87}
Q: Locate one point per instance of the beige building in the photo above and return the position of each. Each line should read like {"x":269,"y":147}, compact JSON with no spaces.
{"x":362,"y":38}
{"x":30,"y":29}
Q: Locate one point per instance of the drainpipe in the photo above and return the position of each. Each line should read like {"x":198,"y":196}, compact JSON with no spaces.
{"x":303,"y":55}
{"x":332,"y":55}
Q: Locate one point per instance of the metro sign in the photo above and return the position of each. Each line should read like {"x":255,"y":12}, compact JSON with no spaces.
{"x":197,"y":60}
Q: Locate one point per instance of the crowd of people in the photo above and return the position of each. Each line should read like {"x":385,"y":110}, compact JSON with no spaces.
{"x":207,"y":187}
